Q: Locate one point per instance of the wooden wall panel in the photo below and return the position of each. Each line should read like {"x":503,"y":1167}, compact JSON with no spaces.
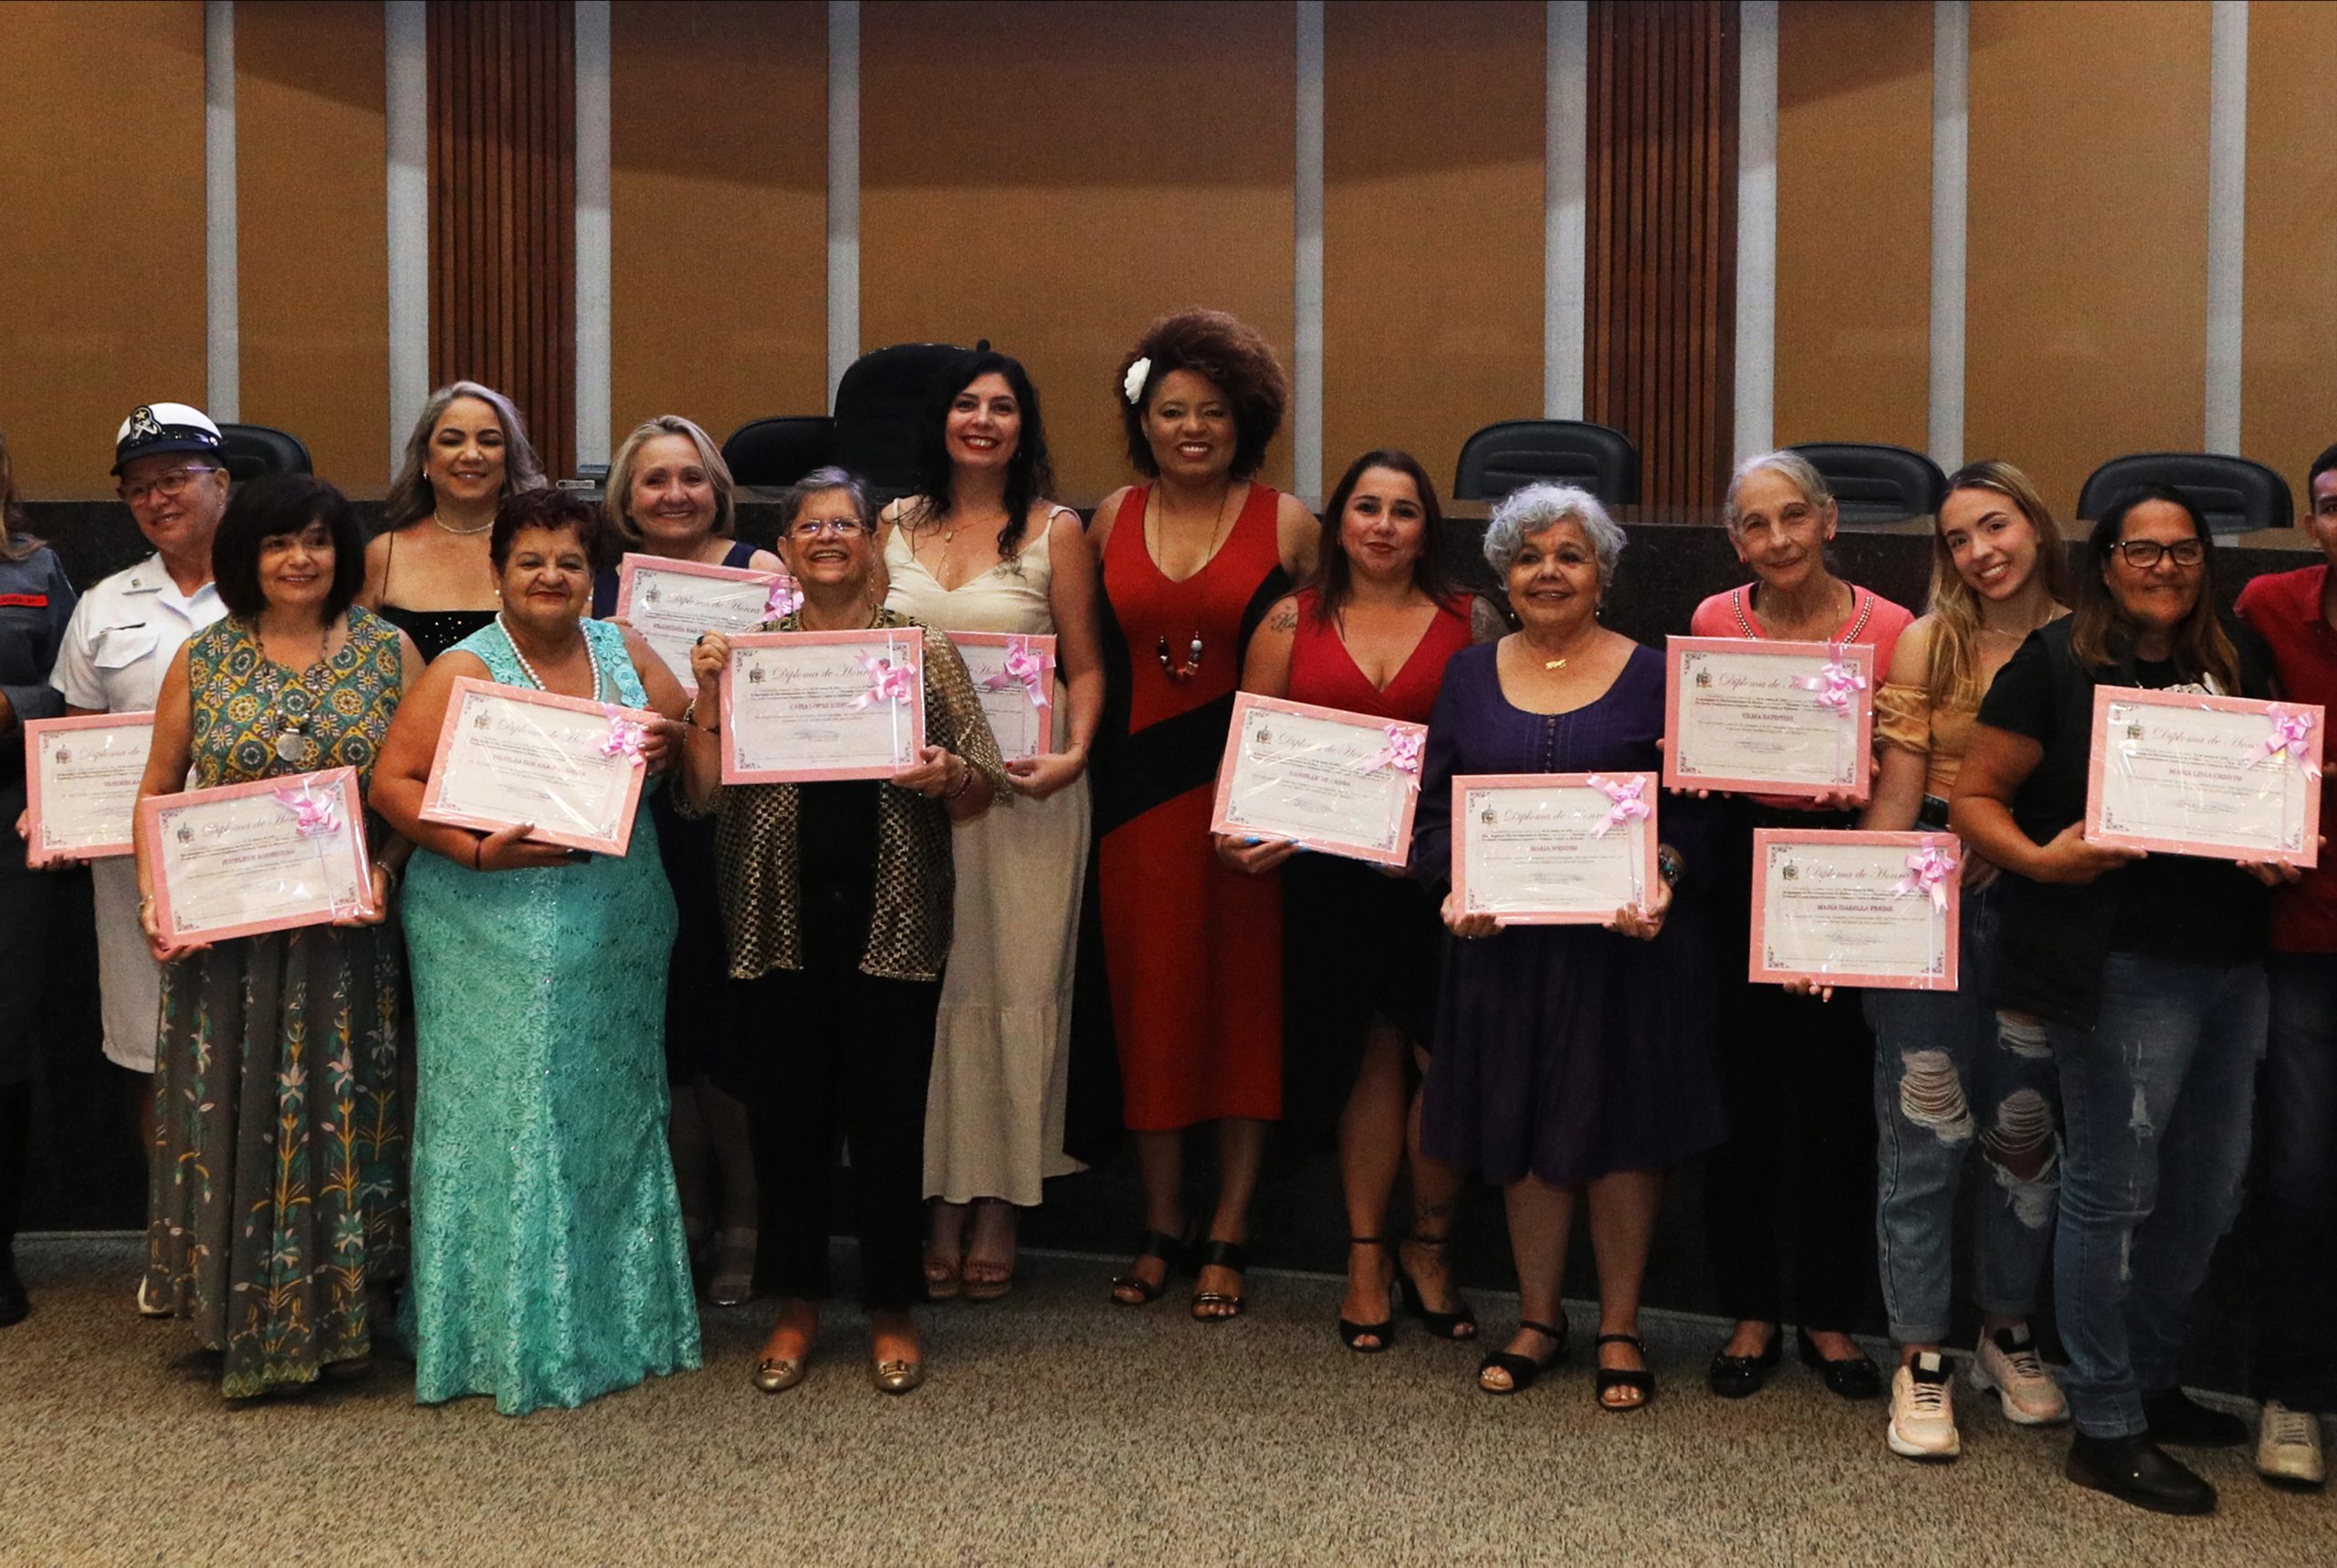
{"x":1659,"y":357}
{"x":102,"y":294}
{"x":503,"y":208}
{"x":2287,"y":375}
{"x":1052,"y":177}
{"x":718,"y":198}
{"x":1431,"y":226}
{"x":1854,"y":223}
{"x":2086,"y":301}
{"x":311,"y":243}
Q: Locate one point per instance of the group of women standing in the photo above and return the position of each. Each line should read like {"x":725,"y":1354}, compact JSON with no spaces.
{"x":602,"y":1045}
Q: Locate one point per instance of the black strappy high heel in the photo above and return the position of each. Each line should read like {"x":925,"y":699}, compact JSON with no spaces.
{"x":1462,"y":1324}
{"x":1172,"y":1252}
{"x":1383,"y":1331}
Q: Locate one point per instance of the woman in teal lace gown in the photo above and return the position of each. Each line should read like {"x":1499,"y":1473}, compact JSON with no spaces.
{"x":548,"y":1260}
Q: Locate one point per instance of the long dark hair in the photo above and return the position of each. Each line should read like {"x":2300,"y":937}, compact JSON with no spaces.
{"x":2100,"y":634}
{"x":1334,"y":581}
{"x":1030,"y":473}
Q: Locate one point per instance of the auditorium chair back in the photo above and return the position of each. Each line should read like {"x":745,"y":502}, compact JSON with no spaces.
{"x":1873,"y":483}
{"x":2236,"y":495}
{"x":1502,"y":457}
{"x":248,"y":450}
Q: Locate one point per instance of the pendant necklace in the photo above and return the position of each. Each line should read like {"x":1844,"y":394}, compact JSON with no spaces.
{"x":1192,"y":666}
{"x":294,"y":705}
{"x":529,"y":670}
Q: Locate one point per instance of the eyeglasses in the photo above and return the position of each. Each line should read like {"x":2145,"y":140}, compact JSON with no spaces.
{"x":169,"y":482}
{"x":2144,"y":554}
{"x":813,"y":527}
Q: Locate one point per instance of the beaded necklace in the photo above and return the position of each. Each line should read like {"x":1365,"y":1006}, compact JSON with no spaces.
{"x":590,"y":657}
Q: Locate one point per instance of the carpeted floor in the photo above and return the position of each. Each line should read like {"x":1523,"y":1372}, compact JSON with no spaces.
{"x":1056,"y":1428}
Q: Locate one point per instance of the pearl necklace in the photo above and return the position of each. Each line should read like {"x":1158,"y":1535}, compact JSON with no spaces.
{"x":529,"y":670}
{"x":462,"y":533}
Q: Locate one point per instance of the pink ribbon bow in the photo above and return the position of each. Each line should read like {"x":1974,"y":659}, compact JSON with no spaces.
{"x":1030,"y":668}
{"x":1630,"y":804}
{"x":313,"y":815}
{"x":1835,"y":683}
{"x":783,"y":602}
{"x":1401,"y":752}
{"x":887,"y":682}
{"x":2288,"y":735}
{"x":624,"y":737}
{"x":1927,"y":872}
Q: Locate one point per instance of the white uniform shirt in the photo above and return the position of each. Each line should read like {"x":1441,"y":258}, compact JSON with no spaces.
{"x":121,"y":640}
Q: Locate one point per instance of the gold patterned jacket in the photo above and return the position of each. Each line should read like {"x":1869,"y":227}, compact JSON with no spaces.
{"x":756,"y":848}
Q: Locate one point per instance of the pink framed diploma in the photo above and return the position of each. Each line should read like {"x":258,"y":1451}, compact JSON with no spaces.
{"x":508,"y":755}
{"x":269,"y":856}
{"x":1343,"y":783}
{"x":673,"y":602}
{"x":1878,"y":910}
{"x":81,"y":777}
{"x":1772,"y":718}
{"x":801,"y":706}
{"x":1553,"y":849}
{"x":1014,"y":675}
{"x":2188,"y":774}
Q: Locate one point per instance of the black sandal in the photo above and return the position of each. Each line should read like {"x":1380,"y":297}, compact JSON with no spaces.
{"x":1524,"y":1369}
{"x":1383,"y":1331}
{"x":1462,"y":1324}
{"x":1170,"y":1249}
{"x":1640,"y":1378}
{"x":1216,"y":1254}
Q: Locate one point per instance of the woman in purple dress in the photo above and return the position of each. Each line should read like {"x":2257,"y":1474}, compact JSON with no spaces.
{"x":1571,"y":1062}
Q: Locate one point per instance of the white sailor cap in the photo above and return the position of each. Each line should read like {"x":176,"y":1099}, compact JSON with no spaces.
{"x":163,"y":427}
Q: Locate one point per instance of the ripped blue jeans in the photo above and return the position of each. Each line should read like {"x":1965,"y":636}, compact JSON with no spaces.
{"x":2157,"y":1098}
{"x":1948,"y":1078}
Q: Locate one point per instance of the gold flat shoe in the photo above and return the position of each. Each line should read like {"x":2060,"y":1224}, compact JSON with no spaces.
{"x":898,"y":1376}
{"x":777,"y":1374}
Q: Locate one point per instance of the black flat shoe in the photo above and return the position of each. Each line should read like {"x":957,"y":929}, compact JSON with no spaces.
{"x":1740,"y":1376}
{"x":1462,"y":1324}
{"x":2179,"y":1421}
{"x":1639,"y":1378}
{"x":2137,"y":1470}
{"x":1383,"y":1331}
{"x":1524,"y":1369}
{"x":1143,"y":1292}
{"x":1853,"y":1377}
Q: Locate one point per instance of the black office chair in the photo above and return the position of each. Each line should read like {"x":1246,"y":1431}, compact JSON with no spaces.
{"x":1502,"y":457}
{"x":877,"y":404}
{"x":1877,"y":484}
{"x":2236,"y":495}
{"x":772,"y":454}
{"x":248,"y":450}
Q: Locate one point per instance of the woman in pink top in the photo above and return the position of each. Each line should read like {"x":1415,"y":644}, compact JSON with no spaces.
{"x":1794,"y":1068}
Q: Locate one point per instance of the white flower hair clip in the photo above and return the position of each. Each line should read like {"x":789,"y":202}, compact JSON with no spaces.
{"x":1131,"y":385}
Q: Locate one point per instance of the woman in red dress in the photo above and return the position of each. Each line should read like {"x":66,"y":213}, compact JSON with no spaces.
{"x":1370,"y":635}
{"x":1192,"y":560}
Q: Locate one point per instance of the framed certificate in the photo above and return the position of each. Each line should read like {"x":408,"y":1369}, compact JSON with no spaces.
{"x":507,"y":756}
{"x":1553,"y":849}
{"x":1778,"y":718}
{"x":800,"y":706}
{"x":1344,"y":783}
{"x":81,"y":777}
{"x":1015,"y":677}
{"x":2188,"y":774}
{"x":1878,"y":910}
{"x":673,"y":602}
{"x":265,"y":856}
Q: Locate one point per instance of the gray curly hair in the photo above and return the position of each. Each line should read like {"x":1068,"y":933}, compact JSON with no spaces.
{"x":1535,"y":509}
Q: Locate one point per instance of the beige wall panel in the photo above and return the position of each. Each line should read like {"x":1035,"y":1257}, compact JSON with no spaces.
{"x":719,"y":153}
{"x":312,"y":244}
{"x":2087,"y":300}
{"x":1054,"y":176}
{"x":102,"y":295}
{"x":1431,"y":226}
{"x":2287,"y":375}
{"x":1854,"y":222}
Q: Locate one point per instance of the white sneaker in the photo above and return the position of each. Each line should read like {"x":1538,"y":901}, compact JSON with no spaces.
{"x":1923,"y":1411}
{"x":2006,"y":1363}
{"x":2288,"y":1447}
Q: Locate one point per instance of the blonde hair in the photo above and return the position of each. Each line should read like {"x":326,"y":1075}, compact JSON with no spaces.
{"x":628,"y":459}
{"x":1953,"y":677}
{"x":411,"y":498}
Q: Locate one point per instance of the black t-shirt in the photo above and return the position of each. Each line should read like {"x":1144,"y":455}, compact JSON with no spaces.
{"x":2053,"y":938}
